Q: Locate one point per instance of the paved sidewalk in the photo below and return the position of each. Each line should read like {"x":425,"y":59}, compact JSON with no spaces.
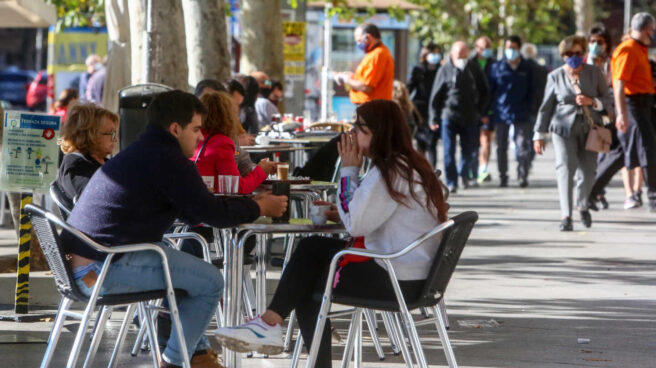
{"x":521,"y":296}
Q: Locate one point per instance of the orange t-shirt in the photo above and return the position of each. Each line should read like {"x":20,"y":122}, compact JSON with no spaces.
{"x":376,"y":70}
{"x":630,"y":64}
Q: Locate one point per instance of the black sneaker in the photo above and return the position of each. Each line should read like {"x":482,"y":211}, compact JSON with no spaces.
{"x":604,"y":203}
{"x":637,"y":196}
{"x":592,"y":205}
{"x":503,"y":182}
{"x":523,"y":182}
{"x":586,"y":219}
{"x":566,"y":224}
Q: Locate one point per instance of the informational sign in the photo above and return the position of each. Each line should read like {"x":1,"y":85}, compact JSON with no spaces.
{"x":294,"y":50}
{"x":29,"y":151}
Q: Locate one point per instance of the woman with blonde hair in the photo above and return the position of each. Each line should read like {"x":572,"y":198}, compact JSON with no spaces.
{"x":401,"y":96}
{"x":87,"y":138}
{"x":215,"y":155}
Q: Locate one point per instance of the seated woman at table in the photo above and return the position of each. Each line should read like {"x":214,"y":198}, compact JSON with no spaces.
{"x":87,"y":138}
{"x":215,"y":155}
{"x":398,"y":200}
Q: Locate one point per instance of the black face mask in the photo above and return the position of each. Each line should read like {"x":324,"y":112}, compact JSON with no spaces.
{"x":265,"y":92}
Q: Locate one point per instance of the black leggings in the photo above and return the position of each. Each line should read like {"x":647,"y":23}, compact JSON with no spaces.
{"x":306,"y":274}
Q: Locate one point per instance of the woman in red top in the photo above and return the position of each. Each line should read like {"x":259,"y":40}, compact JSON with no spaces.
{"x":218,"y":148}
{"x":66,"y":98}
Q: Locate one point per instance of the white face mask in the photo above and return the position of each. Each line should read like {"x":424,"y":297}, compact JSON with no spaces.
{"x":460,"y":63}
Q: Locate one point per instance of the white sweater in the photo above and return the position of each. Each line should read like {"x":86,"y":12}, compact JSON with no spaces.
{"x":367,"y":209}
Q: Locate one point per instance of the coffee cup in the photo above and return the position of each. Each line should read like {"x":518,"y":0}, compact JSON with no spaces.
{"x":283,"y":171}
{"x":318,"y":214}
{"x":209,"y":182}
{"x":262,"y":140}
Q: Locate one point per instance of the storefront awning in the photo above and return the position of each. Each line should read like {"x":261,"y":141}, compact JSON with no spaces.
{"x":376,"y":4}
{"x":26,"y":14}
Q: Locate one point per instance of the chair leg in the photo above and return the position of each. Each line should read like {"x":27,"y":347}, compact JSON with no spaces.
{"x":290,"y":331}
{"x":56,"y":331}
{"x":442,"y":308}
{"x":369,"y":317}
{"x":97,"y":336}
{"x":318,"y":331}
{"x":138,"y":342}
{"x":297,"y":351}
{"x":247,"y":284}
{"x":391,"y":333}
{"x":120,"y":339}
{"x":357,"y":347}
{"x":414,"y":338}
{"x":79,"y":337}
{"x":446,"y":343}
{"x":424,"y":312}
{"x":260,"y":271}
{"x":146,"y":319}
{"x":404,"y":346}
{"x":348,"y":347}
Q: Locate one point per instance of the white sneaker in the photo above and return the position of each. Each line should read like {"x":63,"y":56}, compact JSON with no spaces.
{"x":255,"y":335}
{"x":630,"y":203}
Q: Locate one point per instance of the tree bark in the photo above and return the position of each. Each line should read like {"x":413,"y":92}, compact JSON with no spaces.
{"x":137,"y":11}
{"x":584,"y":11}
{"x":261,"y":38}
{"x":207,"y":43}
{"x":167,"y":61}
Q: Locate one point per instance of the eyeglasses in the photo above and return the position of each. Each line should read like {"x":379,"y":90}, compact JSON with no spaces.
{"x":570,"y":53}
{"x":358,"y":126}
{"x":113,"y":134}
{"x":601,"y":42}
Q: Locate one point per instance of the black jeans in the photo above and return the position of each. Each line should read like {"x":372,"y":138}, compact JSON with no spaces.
{"x":608,"y":164}
{"x":306,"y":274}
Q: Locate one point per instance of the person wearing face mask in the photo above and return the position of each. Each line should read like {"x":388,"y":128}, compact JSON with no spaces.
{"x":420,"y":82}
{"x":633,"y":90}
{"x":374,"y":77}
{"x":483,"y":59}
{"x":263,"y":106}
{"x":512,"y":89}
{"x":575,"y":96}
{"x":456,"y":103}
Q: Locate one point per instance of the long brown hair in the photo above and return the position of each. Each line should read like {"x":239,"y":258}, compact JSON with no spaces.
{"x":392,"y":153}
{"x":401,"y":96}
{"x":221,"y":117}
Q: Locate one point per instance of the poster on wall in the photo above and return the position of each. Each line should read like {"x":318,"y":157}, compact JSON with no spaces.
{"x":294,"y":50}
{"x":29,"y":151}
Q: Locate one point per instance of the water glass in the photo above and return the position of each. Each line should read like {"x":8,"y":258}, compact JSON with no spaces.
{"x":318,"y":214}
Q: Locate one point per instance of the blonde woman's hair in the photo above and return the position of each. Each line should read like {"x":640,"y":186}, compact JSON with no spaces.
{"x":81,"y":132}
{"x":401,"y":96}
{"x":221,"y":117}
{"x":567,"y":44}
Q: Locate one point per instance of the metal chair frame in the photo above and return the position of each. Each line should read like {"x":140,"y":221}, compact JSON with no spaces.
{"x":439,"y":276}
{"x":45,"y":224}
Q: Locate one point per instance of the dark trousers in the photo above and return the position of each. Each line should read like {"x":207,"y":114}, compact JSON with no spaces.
{"x":427,"y":142}
{"x":305,"y":276}
{"x":524,"y":151}
{"x":476,"y":142}
{"x":639,"y":142}
{"x":608,"y":164}
{"x":467,"y":132}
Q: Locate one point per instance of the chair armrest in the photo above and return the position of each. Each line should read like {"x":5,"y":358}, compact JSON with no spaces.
{"x":194,"y":236}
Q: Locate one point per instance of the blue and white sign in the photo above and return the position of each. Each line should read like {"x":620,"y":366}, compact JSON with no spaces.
{"x":29,"y":151}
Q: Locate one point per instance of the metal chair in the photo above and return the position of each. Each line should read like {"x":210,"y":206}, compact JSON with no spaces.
{"x":45,"y":226}
{"x":61,"y":200}
{"x":455,"y":233}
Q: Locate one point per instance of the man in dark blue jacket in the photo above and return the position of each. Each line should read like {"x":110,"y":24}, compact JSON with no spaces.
{"x":511,"y":85}
{"x":135,"y":198}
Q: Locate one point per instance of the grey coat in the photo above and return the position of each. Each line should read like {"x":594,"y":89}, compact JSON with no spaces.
{"x":559,"y":109}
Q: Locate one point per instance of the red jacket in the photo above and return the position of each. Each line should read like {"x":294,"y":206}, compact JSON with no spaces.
{"x":218,"y":158}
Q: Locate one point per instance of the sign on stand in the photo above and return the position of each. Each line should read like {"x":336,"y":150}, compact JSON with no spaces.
{"x":29,"y":164}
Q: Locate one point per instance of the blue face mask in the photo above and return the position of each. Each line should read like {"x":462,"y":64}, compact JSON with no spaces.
{"x":511,"y":54}
{"x":574,"y":61}
{"x":596,"y":50}
{"x":434,"y":58}
{"x":362,"y":46}
{"x":487,"y":53}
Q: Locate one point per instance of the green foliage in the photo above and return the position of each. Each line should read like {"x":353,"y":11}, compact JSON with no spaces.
{"x":78,"y":13}
{"x":445,"y":21}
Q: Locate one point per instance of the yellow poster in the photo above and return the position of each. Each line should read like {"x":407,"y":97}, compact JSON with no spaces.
{"x":294,"y":50}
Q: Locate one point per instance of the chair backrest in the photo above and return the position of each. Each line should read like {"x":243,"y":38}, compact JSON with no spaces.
{"x":61,"y":200}
{"x":453,"y":242}
{"x":43,"y":224}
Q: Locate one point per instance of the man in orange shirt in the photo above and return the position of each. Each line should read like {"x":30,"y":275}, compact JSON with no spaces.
{"x":633,"y":89}
{"x":374,"y":77}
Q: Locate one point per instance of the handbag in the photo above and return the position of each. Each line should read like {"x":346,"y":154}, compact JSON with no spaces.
{"x":599,"y":138}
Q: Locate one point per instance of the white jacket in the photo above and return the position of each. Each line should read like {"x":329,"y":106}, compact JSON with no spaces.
{"x":367,"y":209}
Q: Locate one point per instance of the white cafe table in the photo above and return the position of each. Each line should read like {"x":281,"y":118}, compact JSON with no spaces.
{"x":233,"y":266}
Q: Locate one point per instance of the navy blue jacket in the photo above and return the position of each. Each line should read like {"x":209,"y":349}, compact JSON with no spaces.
{"x":512,"y":92}
{"x":136,"y":196}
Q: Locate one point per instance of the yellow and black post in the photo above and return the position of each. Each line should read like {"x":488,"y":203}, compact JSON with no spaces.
{"x":23,"y":269}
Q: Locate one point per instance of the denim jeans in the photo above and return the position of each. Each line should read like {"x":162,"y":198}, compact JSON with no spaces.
{"x":142,"y":271}
{"x":468,"y":142}
{"x":523,"y":148}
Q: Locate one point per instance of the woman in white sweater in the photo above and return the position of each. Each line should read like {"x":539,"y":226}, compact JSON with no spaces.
{"x":399,"y":199}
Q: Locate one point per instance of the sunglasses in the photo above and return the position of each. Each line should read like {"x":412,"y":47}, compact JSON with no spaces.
{"x":113,"y":134}
{"x":570,"y":53}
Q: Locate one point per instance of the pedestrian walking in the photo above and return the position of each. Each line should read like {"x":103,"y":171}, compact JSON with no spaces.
{"x":484,"y":58}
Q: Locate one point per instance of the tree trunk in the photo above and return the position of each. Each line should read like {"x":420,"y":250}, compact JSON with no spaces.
{"x":261,"y":38}
{"x":207,"y":43}
{"x":137,"y":11}
{"x":584,"y":11}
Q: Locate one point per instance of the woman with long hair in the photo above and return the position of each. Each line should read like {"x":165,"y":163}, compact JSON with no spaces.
{"x":401,"y":96}
{"x":215,"y":155}
{"x":63,"y":103}
{"x":399,"y":199}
